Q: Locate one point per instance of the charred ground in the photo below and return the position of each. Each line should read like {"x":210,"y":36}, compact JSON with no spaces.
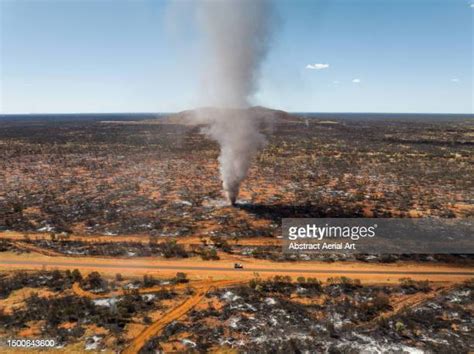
{"x":277,"y":315}
{"x":116,"y":188}
{"x":143,"y":177}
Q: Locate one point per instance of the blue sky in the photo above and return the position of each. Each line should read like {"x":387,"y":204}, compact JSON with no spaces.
{"x":327,"y":56}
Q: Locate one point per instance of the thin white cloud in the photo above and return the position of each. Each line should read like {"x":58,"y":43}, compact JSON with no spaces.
{"x":335,"y":82}
{"x":455,"y":79}
{"x":317,"y":66}
{"x":356,"y":81}
{"x":471,"y":6}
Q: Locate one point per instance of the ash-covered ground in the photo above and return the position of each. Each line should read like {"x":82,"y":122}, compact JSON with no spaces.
{"x":277,"y":315}
{"x":143,"y":177}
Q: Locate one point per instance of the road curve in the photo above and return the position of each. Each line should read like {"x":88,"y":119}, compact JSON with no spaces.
{"x":172,"y":315}
{"x":52,"y":263}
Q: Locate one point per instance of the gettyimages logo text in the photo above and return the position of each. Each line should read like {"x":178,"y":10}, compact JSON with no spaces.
{"x":313,"y":231}
{"x":378,"y":235}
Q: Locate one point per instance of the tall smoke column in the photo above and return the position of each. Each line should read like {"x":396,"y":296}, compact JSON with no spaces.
{"x":237,"y":35}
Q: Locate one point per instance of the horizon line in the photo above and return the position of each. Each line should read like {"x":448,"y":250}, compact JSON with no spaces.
{"x":176,"y":112}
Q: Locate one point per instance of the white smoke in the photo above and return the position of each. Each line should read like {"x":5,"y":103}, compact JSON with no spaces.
{"x":236,"y":131}
{"x":236,"y":37}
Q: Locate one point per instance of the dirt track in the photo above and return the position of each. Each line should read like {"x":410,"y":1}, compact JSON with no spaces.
{"x":195,"y":285}
{"x":410,"y":301}
{"x":31,"y":248}
{"x":170,"y":316}
{"x":205,"y":275}
{"x":416,"y":299}
{"x":201,"y":288}
{"x":223,"y":269}
{"x":194,"y":240}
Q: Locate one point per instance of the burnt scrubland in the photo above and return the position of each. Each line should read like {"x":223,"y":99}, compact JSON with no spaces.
{"x":159,"y":178}
{"x":108,"y":196}
{"x":142,"y":177}
{"x":211,"y":248}
{"x":279,"y":314}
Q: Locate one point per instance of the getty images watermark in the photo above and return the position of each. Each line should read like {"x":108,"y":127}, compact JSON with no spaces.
{"x":332,"y":234}
{"x":381,"y":235}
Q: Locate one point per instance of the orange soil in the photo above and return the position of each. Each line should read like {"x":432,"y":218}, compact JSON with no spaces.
{"x":17,"y":298}
{"x":193,"y":240}
{"x":170,"y":316}
{"x":32,"y":248}
{"x":261,"y":267}
{"x":416,"y":299}
{"x":196,"y":285}
{"x":33,"y":329}
{"x":409,"y":301}
{"x":141,"y":333}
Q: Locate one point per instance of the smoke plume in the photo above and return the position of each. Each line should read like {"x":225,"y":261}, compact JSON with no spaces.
{"x":236,"y":36}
